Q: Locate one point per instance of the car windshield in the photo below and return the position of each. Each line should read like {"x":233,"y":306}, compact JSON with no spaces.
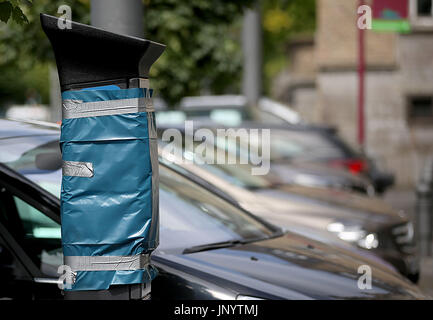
{"x":228,"y":116}
{"x":189,"y":214}
{"x":225,"y":116}
{"x":192,"y":216}
{"x":239,"y":175}
{"x":236,"y":174}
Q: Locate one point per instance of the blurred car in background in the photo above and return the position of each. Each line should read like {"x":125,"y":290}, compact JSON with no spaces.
{"x":228,"y":110}
{"x":365,"y":222}
{"x":209,"y":247}
{"x":28,"y":112}
{"x":231,"y":110}
{"x":305,"y":173}
{"x":321,"y":145}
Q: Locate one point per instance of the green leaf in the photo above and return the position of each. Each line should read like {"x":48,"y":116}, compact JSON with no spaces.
{"x":13,"y":2}
{"x":5,"y":11}
{"x":18,"y":16}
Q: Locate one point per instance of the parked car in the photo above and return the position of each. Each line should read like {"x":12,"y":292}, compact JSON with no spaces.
{"x":209,"y":248}
{"x":312,"y":144}
{"x":291,"y":133}
{"x":305,"y":173}
{"x":366,"y":222}
{"x":233,"y":109}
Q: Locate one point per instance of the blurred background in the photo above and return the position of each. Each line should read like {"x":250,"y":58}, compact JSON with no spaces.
{"x":306,"y":58}
{"x":304,"y":53}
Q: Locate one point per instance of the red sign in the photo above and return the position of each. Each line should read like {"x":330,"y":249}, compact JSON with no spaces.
{"x":390,"y":9}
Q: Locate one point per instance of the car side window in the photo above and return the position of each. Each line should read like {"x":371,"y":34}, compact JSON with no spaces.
{"x":37,"y":234}
{"x":42,"y":238}
{"x":36,"y":225}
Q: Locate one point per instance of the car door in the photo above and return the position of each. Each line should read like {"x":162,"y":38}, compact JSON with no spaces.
{"x":30,"y":219}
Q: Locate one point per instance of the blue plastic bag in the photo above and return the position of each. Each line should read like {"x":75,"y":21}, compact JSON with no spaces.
{"x":109,"y":196}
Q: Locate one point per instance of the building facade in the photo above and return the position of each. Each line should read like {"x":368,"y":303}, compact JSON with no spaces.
{"x":322,"y":84}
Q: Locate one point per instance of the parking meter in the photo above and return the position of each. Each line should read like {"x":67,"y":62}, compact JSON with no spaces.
{"x":109,"y":195}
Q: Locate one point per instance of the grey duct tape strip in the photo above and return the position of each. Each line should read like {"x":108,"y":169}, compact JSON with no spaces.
{"x":151,"y":126}
{"x":107,"y":263}
{"x":77,"y":169}
{"x":153,"y":151}
{"x":77,"y":109}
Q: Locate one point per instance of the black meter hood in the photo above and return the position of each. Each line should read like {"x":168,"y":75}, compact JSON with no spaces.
{"x":85,"y":54}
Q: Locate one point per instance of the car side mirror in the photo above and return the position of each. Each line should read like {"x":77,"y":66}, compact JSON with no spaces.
{"x":49,"y":161}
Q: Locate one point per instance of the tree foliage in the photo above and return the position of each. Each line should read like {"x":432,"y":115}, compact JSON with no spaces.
{"x":282,"y":19}
{"x":203,"y":45}
{"x":26,"y":44}
{"x":203,"y":39}
{"x":11,"y":9}
{"x":25,"y":49}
